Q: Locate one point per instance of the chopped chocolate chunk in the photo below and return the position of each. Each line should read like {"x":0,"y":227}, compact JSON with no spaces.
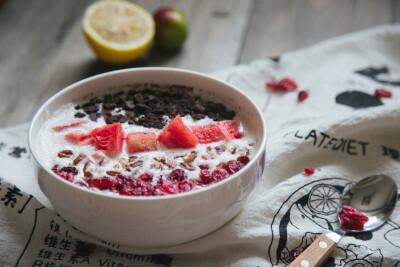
{"x":79,"y":115}
{"x":94,"y":116}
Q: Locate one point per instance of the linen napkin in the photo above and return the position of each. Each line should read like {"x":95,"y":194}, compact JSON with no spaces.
{"x":341,"y":130}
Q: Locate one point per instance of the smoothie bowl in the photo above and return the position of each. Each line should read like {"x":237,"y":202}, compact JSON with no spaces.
{"x":148,"y":157}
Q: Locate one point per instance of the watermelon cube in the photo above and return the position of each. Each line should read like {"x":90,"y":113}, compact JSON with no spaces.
{"x":208,"y":133}
{"x":177,"y":135}
{"x":230,"y":129}
{"x":140,"y":142}
{"x":109,"y":138}
{"x":80,"y":138}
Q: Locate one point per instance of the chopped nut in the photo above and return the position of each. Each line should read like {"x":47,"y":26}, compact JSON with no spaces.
{"x":205,"y":157}
{"x":104,"y":160}
{"x":132,"y":158}
{"x":244,"y":151}
{"x":232,"y":150}
{"x":137,"y":163}
{"x":220,"y":149}
{"x":171,"y":164}
{"x":113,"y":173}
{"x":187,"y":166}
{"x":78,"y":159}
{"x":122,"y":164}
{"x":160,"y":159}
{"x":87,"y":172}
{"x":65,"y":153}
{"x":190,"y":157}
{"x":209,"y":150}
{"x":156,"y":166}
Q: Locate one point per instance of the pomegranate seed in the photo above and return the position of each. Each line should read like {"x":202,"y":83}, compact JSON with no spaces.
{"x":352,"y":219}
{"x":204,"y":167}
{"x":243,"y":159}
{"x":219,"y":174}
{"x":55,"y":169}
{"x":309,"y":171}
{"x":233,"y":166}
{"x":294,"y":253}
{"x":177,"y":175}
{"x":381,"y":92}
{"x":67,"y":176}
{"x":147,"y":176}
{"x":205,"y":176}
{"x":303,"y":95}
{"x":169,"y":187}
{"x":184,"y":186}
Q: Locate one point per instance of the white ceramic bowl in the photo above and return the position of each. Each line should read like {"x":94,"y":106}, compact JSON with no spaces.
{"x":159,"y":220}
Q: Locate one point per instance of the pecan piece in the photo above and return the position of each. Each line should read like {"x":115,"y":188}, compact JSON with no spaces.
{"x":187,"y":166}
{"x":65,"y":154}
{"x":104,"y":160}
{"x":220,"y":149}
{"x":171,"y":164}
{"x":132,"y":158}
{"x":87,"y":172}
{"x":137,"y":163}
{"x":78,"y":159}
{"x":113,"y":173}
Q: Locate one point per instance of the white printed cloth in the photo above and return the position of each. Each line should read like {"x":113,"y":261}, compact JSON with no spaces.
{"x":342,"y":130}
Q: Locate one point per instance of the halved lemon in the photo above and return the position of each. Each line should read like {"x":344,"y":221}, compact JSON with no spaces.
{"x":118,"y":31}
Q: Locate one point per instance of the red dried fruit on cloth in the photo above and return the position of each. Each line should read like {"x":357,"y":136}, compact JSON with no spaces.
{"x":208,"y":133}
{"x":284,"y":84}
{"x":140,"y":142}
{"x":230,"y":129}
{"x":309,"y":171}
{"x":109,"y":138}
{"x":80,"y":138}
{"x":177,"y":135}
{"x":352,"y":219}
{"x":74,"y":124}
{"x":303,"y":95}
{"x":381,"y":92}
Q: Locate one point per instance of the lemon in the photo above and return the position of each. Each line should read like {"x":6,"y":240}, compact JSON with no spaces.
{"x":118,"y":31}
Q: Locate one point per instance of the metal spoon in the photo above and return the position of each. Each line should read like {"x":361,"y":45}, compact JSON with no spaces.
{"x":375,"y":196}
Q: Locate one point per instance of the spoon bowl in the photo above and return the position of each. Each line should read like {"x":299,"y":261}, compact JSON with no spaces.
{"x":373,"y":197}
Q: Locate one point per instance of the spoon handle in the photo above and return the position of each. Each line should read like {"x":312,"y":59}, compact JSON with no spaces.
{"x":316,"y":253}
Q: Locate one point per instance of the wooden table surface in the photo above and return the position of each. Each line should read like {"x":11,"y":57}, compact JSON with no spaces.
{"x":42,"y":49}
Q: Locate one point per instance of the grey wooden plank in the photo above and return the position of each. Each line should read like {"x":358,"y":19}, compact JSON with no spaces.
{"x":280,"y":26}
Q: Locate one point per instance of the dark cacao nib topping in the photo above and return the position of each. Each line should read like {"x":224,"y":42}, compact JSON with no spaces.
{"x":147,"y":107}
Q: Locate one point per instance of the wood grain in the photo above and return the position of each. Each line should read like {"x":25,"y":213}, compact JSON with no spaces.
{"x":42,"y":49}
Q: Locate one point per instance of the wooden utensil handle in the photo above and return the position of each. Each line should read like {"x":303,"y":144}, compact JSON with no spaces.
{"x":316,"y":253}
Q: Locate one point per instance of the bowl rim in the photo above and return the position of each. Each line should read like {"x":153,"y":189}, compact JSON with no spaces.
{"x":73,"y":186}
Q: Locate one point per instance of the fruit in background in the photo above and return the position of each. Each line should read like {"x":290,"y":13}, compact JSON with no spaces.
{"x":118,"y":31}
{"x":171,"y":28}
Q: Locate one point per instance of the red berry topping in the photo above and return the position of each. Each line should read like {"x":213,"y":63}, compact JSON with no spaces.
{"x":233,"y":166}
{"x":100,"y":183}
{"x":177,"y":175}
{"x":177,"y":135}
{"x":219,"y":174}
{"x":147,"y":176}
{"x":203,"y":166}
{"x":303,"y":95}
{"x":205,"y":176}
{"x":309,"y":171}
{"x":169,"y":187}
{"x":243,"y":159}
{"x":381,"y":92}
{"x":184,"y":186}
